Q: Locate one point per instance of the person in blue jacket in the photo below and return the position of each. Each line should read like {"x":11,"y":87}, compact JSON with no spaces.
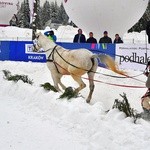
{"x":51,"y":35}
{"x":79,"y":38}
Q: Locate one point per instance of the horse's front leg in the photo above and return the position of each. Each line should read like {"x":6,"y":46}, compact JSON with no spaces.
{"x":55,"y":81}
{"x":59,"y":81}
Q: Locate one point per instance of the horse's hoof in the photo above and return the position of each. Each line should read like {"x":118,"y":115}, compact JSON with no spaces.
{"x":88,"y":101}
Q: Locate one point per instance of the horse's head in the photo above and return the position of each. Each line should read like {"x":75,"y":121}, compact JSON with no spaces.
{"x":37,"y":42}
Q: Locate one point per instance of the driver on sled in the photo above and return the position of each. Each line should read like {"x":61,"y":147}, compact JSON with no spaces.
{"x":146,"y":98}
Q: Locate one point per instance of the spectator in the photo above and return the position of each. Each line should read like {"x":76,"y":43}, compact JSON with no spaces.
{"x":13,"y":21}
{"x":118,"y":39}
{"x":146,"y":97}
{"x":79,"y":38}
{"x":91,"y":39}
{"x":147,"y":73}
{"x":51,"y":35}
{"x":148,"y":31}
{"x":105,"y":39}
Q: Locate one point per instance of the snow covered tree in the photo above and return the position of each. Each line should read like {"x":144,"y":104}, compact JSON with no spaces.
{"x":46,"y":11}
{"x":62,"y":16}
{"x":39,"y":16}
{"x":141,"y":24}
{"x":24,"y":15}
{"x":54,"y":12}
{"x":36,"y":22}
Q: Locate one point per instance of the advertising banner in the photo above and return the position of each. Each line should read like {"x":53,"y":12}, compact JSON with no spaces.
{"x":108,"y":49}
{"x":133,"y":56}
{"x":22,"y":51}
{"x":7,"y":8}
{"x":4,"y":50}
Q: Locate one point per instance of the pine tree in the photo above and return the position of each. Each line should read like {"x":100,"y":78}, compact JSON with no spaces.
{"x":24,"y":15}
{"x":141,"y":24}
{"x":54,"y":12}
{"x":39,"y":15}
{"x":62,"y":16}
{"x":46,"y":11}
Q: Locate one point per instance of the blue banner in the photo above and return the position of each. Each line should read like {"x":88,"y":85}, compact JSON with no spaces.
{"x":4,"y":50}
{"x":105,"y":48}
{"x":22,"y":50}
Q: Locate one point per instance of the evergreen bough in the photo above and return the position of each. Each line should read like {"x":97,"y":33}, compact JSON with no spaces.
{"x":69,"y":93}
{"x":125,"y":107}
{"x":47,"y":86}
{"x":16,"y":78}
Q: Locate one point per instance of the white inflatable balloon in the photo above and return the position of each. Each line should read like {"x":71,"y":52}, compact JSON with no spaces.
{"x":7,"y":9}
{"x":114,"y":16}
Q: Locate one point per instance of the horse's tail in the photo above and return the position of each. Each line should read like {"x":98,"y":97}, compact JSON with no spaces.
{"x":111,"y":64}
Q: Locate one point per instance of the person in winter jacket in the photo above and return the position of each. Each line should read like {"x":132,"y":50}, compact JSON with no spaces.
{"x":91,"y":39}
{"x":147,"y":73}
{"x":148,"y":31}
{"x":79,"y":38}
{"x":118,"y":39}
{"x":146,"y":98}
{"x":51,"y":35}
{"x":105,"y":38}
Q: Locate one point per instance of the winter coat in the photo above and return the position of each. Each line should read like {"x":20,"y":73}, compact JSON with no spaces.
{"x":105,"y":39}
{"x":148,"y":81}
{"x":118,"y":41}
{"x":91,"y":40}
{"x":82,"y":38}
{"x":148,"y":28}
{"x":146,"y":102}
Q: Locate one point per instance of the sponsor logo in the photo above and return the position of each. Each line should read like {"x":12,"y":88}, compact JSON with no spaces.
{"x":32,"y":57}
{"x":29,"y":48}
{"x":134,"y":57}
{"x":4,"y":4}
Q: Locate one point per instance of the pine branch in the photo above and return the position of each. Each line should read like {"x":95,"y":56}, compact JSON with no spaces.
{"x":47,"y":86}
{"x":125,"y":107}
{"x":16,"y":78}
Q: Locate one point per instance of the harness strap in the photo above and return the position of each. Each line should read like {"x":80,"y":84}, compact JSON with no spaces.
{"x":52,"y":60}
{"x":51,"y":54}
{"x":74,"y":65}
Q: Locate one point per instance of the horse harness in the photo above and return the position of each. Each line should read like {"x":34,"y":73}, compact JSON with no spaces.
{"x":51,"y":59}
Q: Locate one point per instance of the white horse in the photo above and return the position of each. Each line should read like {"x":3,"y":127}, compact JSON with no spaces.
{"x":76,"y":63}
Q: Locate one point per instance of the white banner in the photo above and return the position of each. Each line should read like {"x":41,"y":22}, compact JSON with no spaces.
{"x":133,"y":56}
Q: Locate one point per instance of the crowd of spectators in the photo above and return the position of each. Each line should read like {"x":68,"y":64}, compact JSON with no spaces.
{"x":80,"y":38}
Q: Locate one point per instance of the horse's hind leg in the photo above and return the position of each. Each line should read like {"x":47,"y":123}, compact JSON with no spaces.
{"x":78,"y":79}
{"x":91,"y":86}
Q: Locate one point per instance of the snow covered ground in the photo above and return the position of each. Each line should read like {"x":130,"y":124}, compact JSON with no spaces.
{"x":34,"y":119}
